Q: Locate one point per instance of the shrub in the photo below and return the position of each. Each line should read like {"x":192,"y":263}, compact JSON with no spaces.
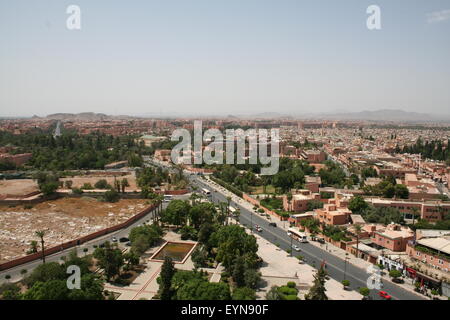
{"x":394,"y":273}
{"x":364,"y":291}
{"x":101,"y":184}
{"x":87,"y":186}
{"x":291,"y":284}
{"x":77,"y":191}
{"x":111,"y":196}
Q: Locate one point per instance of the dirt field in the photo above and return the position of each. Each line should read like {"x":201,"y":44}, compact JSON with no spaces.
{"x":18,"y":186}
{"x":64,"y":219}
{"x":78,"y":181}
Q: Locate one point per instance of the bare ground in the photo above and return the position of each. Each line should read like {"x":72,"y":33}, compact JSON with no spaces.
{"x":64,"y":219}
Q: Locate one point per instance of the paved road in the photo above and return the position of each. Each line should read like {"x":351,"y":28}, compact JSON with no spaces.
{"x":336,"y":267}
{"x":442,"y":189}
{"x":15,"y":272}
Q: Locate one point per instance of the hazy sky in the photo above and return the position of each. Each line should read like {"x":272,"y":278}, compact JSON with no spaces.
{"x":227,"y":57}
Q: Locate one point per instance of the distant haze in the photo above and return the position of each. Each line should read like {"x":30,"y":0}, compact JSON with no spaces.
{"x":226,"y":57}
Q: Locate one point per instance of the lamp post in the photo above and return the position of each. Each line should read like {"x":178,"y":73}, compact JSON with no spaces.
{"x":291,"y":245}
{"x":251,"y":221}
{"x":345,"y":266}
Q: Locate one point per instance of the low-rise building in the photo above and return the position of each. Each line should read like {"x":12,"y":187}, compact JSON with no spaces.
{"x":17,"y":159}
{"x":299,"y":201}
{"x":432,"y":251}
{"x":163,"y":154}
{"x":312,"y":183}
{"x":394,"y":237}
{"x":331,"y":214}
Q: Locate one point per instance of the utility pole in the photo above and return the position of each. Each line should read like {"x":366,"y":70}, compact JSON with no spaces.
{"x":345,"y":266}
{"x":291,"y":245}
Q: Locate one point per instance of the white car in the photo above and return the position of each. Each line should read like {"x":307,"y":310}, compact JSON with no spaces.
{"x":114,"y":239}
{"x":295,"y":247}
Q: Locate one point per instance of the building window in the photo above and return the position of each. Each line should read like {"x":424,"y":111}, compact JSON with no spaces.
{"x":418,"y":254}
{"x":440,"y":261}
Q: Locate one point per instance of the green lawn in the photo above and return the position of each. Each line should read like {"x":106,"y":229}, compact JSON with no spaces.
{"x":260,"y":190}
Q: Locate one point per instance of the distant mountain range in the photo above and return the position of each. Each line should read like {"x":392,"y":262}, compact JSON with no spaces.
{"x":78,"y":116}
{"x":380,"y":115}
{"x":394,"y":115}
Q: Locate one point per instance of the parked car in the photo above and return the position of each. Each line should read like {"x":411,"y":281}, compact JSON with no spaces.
{"x":114,"y":239}
{"x":397,"y":280}
{"x":258,"y":228}
{"x":384,"y":295}
{"x":128,"y":244}
{"x":273,"y":224}
{"x":124,"y":239}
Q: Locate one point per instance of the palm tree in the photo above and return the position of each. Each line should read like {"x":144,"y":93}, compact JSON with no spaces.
{"x":33,"y":245}
{"x":159,"y":201}
{"x":193,"y":197}
{"x":124,"y":184}
{"x":358,"y":229}
{"x":41,"y":235}
{"x":228,"y":208}
{"x":223,"y":213}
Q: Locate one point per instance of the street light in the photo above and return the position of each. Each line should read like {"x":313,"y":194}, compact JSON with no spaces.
{"x":291,"y":245}
{"x":345,"y":265}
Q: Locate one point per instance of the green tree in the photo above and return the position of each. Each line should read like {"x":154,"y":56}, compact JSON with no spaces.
{"x":48,"y":188}
{"x":165,"y":284}
{"x":244,"y":293}
{"x":41,"y":234}
{"x":124,"y":184}
{"x":203,"y":290}
{"x":111,"y":196}
{"x":46,"y":272}
{"x":33,"y":247}
{"x":239,"y":271}
{"x":317,"y":291}
{"x":131,"y":259}
{"x":273,"y":294}
{"x":176,"y":212}
{"x":110,"y":259}
{"x":401,"y":191}
{"x":101,"y":184}
{"x":357,"y":204}
{"x":252,"y":278}
{"x":395,"y":274}
{"x":50,"y":290}
{"x":364,"y":291}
